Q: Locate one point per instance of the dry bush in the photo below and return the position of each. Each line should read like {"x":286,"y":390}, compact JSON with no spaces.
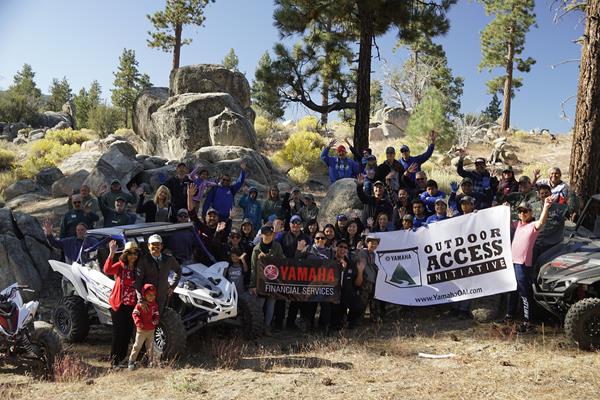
{"x":69,"y":136}
{"x":7,"y":159}
{"x":45,"y":153}
{"x":187,"y":384}
{"x":299,"y":175}
{"x":69,"y":368}
{"x":226,"y":353}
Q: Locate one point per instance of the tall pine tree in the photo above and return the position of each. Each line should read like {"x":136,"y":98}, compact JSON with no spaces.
{"x":264,"y":94}
{"x":21,"y":102}
{"x":502,"y":43}
{"x":169,"y":23}
{"x":231,"y":60}
{"x":493,"y":110}
{"x":60,"y":93}
{"x":128,"y":83}
{"x":85,"y":102}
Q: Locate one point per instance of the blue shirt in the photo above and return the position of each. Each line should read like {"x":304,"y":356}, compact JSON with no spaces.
{"x":420,"y":159}
{"x":339,"y":168}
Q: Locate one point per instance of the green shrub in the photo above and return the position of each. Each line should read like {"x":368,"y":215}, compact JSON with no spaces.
{"x":68,"y":136}
{"x":309,"y":123}
{"x":105,"y":120}
{"x":299,"y":175}
{"x":7,"y":159}
{"x":9,"y":177}
{"x":302,"y":149}
{"x":45,"y":153}
{"x":265,"y":127}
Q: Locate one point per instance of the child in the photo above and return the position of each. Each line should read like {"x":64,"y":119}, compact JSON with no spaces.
{"x":200,"y":178}
{"x":237,"y":268}
{"x":146,"y":317}
{"x":429,"y":196}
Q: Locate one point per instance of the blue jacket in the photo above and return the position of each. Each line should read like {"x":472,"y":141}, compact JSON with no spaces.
{"x":252,"y":210}
{"x":221,"y":197}
{"x":339,"y":169}
{"x":420,"y":159}
{"x":430,"y":200}
{"x":71,"y":246}
{"x":435,"y":218}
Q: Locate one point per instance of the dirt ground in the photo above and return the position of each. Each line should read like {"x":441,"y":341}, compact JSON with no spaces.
{"x":372,"y":362}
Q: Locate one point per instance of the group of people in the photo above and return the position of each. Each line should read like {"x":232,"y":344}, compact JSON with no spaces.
{"x":396,"y":195}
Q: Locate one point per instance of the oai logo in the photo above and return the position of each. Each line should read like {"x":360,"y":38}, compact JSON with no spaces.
{"x":401,"y":267}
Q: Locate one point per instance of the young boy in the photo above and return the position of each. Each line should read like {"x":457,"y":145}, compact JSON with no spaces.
{"x":526,"y":232}
{"x":146,"y":317}
{"x":237,"y":269}
{"x":430,"y":195}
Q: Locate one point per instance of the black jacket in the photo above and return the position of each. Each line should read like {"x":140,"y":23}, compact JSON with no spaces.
{"x":372,"y":206}
{"x":157,"y":273}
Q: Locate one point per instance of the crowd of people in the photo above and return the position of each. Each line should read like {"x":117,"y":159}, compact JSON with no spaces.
{"x":396,"y":195}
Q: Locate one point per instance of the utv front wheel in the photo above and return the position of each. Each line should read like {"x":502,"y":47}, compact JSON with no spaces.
{"x":582,"y":323}
{"x":169,"y":336}
{"x":71,"y":320}
{"x":49,"y":348}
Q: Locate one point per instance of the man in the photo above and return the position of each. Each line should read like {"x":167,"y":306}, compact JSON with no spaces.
{"x":341,"y":226}
{"x":295,"y":203}
{"x":420,"y":183}
{"x":178,"y":186}
{"x":252,"y":207}
{"x":560,"y":189}
{"x":431,"y":195}
{"x":352,"y":277}
{"x":525,"y":194}
{"x":290,"y":241}
{"x":182,"y":242}
{"x":154,"y":268}
{"x":366,"y":259}
{"x":407,"y":160}
{"x":441,"y":210}
{"x":119,"y":215}
{"x":392,"y":165}
{"x":75,"y":216}
{"x":107,"y":198}
{"x":420,"y":217}
{"x":87,"y":199}
{"x":273,"y":205}
{"x":341,"y":166}
{"x":483,"y":182}
{"x":467,"y":205}
{"x":210,"y":229}
{"x":466,"y":188}
{"x":310,"y":210}
{"x":220,"y":197}
{"x":375,"y":204}
{"x":72,"y":246}
{"x":552,"y":233}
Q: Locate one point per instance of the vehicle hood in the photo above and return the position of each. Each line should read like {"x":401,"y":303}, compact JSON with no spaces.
{"x":583,"y":267}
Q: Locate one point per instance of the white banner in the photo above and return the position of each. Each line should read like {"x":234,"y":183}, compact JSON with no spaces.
{"x":456,"y":259}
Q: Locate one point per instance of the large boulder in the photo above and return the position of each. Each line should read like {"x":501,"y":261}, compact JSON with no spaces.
{"x":47,"y":176}
{"x":69,"y":184}
{"x":21,"y":187}
{"x":82,"y":160}
{"x":231,"y":129}
{"x":118,"y":162}
{"x":156,"y":176}
{"x":393,"y":116}
{"x":16,"y":264}
{"x":340,"y":198}
{"x":25,"y":199}
{"x":146,"y":104}
{"x":376,"y":133}
{"x":182,"y":126}
{"x":391,"y":131}
{"x":210,"y":78}
{"x":11,"y":130}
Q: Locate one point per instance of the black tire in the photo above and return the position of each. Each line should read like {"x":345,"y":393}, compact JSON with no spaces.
{"x":582,"y":324}
{"x":49,"y":347}
{"x":489,"y":308}
{"x":71,"y":319}
{"x":169,"y":336}
{"x":250,"y":315}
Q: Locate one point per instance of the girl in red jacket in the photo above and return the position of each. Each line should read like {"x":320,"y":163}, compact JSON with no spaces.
{"x":122,"y":298}
{"x":146,"y":317}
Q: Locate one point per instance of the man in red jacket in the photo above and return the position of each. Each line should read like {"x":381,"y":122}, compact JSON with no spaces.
{"x":146,"y":320}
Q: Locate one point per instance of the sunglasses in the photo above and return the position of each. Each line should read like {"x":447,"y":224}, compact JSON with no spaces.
{"x":132,"y":253}
{"x":522,"y":211}
{"x":76,"y":202}
{"x":343,"y":247}
{"x":296,"y":222}
{"x":420,"y":179}
{"x":320,"y":238}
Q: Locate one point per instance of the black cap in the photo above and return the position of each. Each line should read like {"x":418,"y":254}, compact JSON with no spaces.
{"x":266,"y":230}
{"x":120,"y":198}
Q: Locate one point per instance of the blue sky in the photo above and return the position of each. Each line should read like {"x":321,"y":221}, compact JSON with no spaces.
{"x":82,"y":40}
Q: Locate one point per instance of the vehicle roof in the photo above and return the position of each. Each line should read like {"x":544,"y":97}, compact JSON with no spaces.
{"x":140,"y":229}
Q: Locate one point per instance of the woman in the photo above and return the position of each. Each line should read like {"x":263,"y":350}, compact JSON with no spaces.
{"x":329,"y":232}
{"x":122,"y":298}
{"x":273,"y":205}
{"x":402,"y":207}
{"x":247,"y":243}
{"x":312,"y":227}
{"x":159,"y":209}
{"x":382,"y":223}
{"x":353,"y":236}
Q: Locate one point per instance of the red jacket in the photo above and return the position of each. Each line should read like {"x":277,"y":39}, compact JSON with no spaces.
{"x":116,"y":296}
{"x":146,"y":320}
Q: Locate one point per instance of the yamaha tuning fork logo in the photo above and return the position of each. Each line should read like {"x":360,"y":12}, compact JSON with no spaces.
{"x":402,"y":267}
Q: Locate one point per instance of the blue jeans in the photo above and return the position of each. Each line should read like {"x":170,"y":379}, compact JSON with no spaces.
{"x":269,"y":309}
{"x":523,"y":274}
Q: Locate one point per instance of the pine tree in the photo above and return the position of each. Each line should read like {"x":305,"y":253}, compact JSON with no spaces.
{"x":85,"y":102}
{"x":60,"y":93}
{"x":493,"y":111}
{"x":169,"y":25}
{"x":430,"y":114}
{"x":21,"y":102}
{"x":376,"y":96}
{"x":367,"y":20}
{"x":24,"y":84}
{"x":231,"y":60}
{"x":502,"y":43}
{"x":264,"y":95}
{"x":128,"y":83}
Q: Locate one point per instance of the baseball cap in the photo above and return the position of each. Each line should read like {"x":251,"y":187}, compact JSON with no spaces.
{"x":371,"y":157}
{"x":404,"y":148}
{"x":467,"y":199}
{"x":295,"y":218}
{"x":342,"y":240}
{"x":182,"y":211}
{"x":508,"y":169}
{"x":234,"y":232}
{"x":342,"y":217}
{"x":115,"y":182}
{"x":440,"y":200}
{"x":524,"y":206}
{"x":120,"y":198}
{"x":524,"y":179}
{"x":378,"y":183}
{"x":390,"y":150}
{"x":253,"y":189}
{"x":246,"y":221}
{"x":295,"y":189}
{"x":130,"y":246}
{"x":341,"y":148}
{"x":212,"y":210}
{"x":154,"y":239}
{"x":372,"y":237}
{"x":181,"y":164}
{"x":309,"y":196}
{"x":265,"y":230}
{"x":466,"y":180}
{"x":407,"y":217}
{"x":479,"y":160}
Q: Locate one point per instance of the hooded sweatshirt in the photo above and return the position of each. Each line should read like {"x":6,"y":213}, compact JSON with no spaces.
{"x":146,"y":320}
{"x":221,"y":197}
{"x":252,"y":208}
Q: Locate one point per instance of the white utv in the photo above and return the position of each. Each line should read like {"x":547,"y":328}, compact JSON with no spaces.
{"x":203,"y":296}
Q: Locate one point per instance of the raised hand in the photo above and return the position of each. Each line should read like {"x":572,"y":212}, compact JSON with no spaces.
{"x":454,"y":187}
{"x":360,"y":179}
{"x":243,"y":165}
{"x":462,"y":153}
{"x":332,"y":143}
{"x":102,"y":189}
{"x":47,"y":227}
{"x":548,"y":201}
{"x":139,"y":191}
{"x":191,"y":189}
{"x":413,"y":167}
{"x":432,"y":136}
{"x":112,"y":247}
{"x":221,"y":226}
{"x":536,"y":174}
{"x":370,"y":221}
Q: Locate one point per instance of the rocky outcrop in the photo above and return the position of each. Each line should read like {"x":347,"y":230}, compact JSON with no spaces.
{"x":118,"y":162}
{"x":69,"y":184}
{"x":146,"y":104}
{"x":392,"y":121}
{"x":24,"y":253}
{"x":25,"y":186}
{"x":58,"y":120}
{"x":47,"y":176}
{"x":230,"y":128}
{"x":340,"y":198}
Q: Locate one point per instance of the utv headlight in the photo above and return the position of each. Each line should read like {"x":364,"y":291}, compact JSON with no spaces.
{"x":189,"y":285}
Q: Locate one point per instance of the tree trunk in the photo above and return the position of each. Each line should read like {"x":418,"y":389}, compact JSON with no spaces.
{"x":363,"y":84}
{"x":324,"y":102}
{"x":585,"y":152}
{"x":177,"y":47}
{"x":508,"y":83}
{"x":126,"y":118}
